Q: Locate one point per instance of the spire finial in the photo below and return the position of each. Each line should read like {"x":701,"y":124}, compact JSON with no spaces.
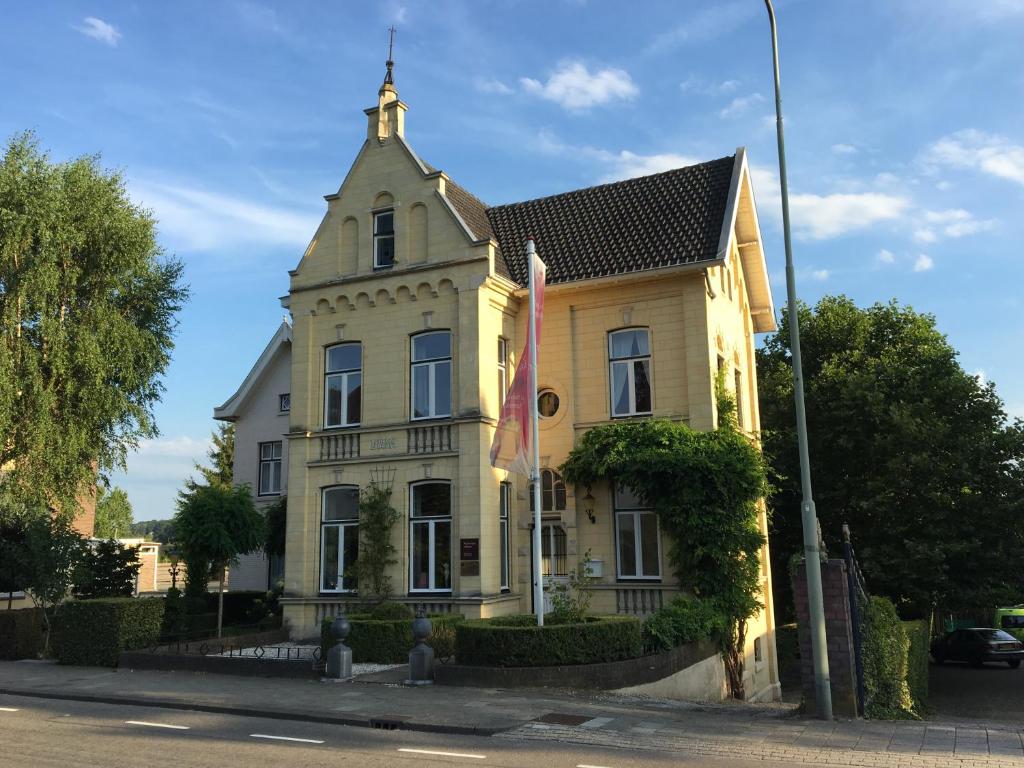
{"x":388,"y":77}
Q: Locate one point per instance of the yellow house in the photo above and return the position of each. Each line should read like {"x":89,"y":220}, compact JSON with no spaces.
{"x":408,"y":317}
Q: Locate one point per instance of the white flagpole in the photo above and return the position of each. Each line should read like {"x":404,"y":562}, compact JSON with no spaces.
{"x":538,"y":584}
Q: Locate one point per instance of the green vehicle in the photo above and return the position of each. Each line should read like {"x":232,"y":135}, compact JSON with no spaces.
{"x":1011,"y":620}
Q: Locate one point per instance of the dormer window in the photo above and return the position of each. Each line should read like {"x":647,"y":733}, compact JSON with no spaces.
{"x":383,"y":239}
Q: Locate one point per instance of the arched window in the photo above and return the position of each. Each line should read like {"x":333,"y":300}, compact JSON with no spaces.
{"x":552,"y":492}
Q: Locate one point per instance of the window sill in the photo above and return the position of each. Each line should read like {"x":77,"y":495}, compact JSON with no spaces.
{"x":338,"y":592}
{"x":342,"y":426}
{"x":420,"y":419}
{"x":430,"y":593}
{"x":638,"y":580}
{"x":268,"y":495}
{"x":382,"y":267}
{"x":641,"y":415}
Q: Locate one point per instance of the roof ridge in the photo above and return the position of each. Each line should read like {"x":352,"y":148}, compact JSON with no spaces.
{"x":620,"y":182}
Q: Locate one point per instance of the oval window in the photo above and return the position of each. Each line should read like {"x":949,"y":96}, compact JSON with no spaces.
{"x":547,"y":403}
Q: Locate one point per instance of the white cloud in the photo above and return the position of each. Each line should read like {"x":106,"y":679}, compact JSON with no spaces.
{"x":695,"y":84}
{"x":953,"y":222}
{"x":100,"y":30}
{"x":821,"y":217}
{"x":575,"y":87}
{"x":740,"y":104}
{"x":820,"y":274}
{"x":194,"y":219}
{"x":491,"y":85}
{"x":157,"y":470}
{"x":885,"y":257}
{"x":628,"y":165}
{"x":977,"y":150}
{"x":923,"y":263}
{"x":844,"y":149}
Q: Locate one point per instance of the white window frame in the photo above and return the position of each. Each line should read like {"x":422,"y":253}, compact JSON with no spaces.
{"x":378,"y":236}
{"x":345,"y":528}
{"x":431,"y":364}
{"x":502,"y":371}
{"x":267,"y":464}
{"x":343,"y":374}
{"x":284,"y":402}
{"x":630,"y":364}
{"x":504,"y":566}
{"x":430,"y":522}
{"x":636,"y":513}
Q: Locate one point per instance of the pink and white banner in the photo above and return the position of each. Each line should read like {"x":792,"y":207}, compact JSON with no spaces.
{"x":513,"y":438}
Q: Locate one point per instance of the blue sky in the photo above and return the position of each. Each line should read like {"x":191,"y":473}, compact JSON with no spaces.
{"x":232,"y":119}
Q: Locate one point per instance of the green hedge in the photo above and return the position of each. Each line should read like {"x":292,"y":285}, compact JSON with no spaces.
{"x":919,"y":634}
{"x":514,"y":641}
{"x":682,"y":621}
{"x":885,"y":648}
{"x":381,"y":641}
{"x":21,"y":634}
{"x":94,"y":632}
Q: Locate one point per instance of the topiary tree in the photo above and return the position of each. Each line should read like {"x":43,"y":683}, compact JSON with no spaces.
{"x":706,"y":488}
{"x":107,"y":569}
{"x":376,"y":552}
{"x":214,"y":525}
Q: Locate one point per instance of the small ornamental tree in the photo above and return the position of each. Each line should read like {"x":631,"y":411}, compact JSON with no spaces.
{"x":107,"y":569}
{"x":53,"y":550}
{"x":706,"y":488}
{"x":376,"y":552}
{"x":214,"y":525}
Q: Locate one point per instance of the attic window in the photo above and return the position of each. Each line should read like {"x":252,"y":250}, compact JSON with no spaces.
{"x":383,"y":239}
{"x":284,"y":402}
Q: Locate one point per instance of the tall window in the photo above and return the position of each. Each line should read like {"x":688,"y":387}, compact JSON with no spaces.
{"x":432,"y":375}
{"x":552,"y":492}
{"x":284,"y":402}
{"x":343,"y":385}
{"x":502,"y":370}
{"x":270,"y":469}
{"x":636,"y":536}
{"x":339,"y":539}
{"x":505,"y":500}
{"x":629,"y":354}
{"x":383,"y":239}
{"x":430,"y":521}
{"x":738,"y":384}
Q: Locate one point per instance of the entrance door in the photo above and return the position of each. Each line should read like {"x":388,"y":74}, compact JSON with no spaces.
{"x":554,"y":568}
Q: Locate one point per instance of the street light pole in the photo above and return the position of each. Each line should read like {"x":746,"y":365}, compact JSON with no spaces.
{"x":812,"y":553}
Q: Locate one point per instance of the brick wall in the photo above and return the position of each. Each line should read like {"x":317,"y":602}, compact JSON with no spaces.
{"x":839,"y":635}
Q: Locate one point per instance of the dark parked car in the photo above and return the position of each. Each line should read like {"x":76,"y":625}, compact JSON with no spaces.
{"x":977,"y":646}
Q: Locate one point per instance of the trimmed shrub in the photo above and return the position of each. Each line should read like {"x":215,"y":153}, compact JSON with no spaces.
{"x":919,"y":634}
{"x":885,"y":648}
{"x":511,"y":641}
{"x":94,"y":632}
{"x":684,"y":620}
{"x":21,"y":634}
{"x":392,"y":611}
{"x":382,"y":642}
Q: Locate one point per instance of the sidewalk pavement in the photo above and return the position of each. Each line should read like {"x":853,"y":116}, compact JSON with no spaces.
{"x":768,"y":732}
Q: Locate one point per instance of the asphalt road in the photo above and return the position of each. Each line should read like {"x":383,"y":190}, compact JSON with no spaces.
{"x":993,"y":693}
{"x":38,"y":733}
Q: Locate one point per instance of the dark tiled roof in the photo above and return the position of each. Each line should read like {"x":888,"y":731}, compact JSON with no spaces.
{"x":474,"y":212}
{"x":654,"y":221}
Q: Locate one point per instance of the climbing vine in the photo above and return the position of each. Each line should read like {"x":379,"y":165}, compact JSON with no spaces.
{"x":706,"y":488}
{"x":376,"y":552}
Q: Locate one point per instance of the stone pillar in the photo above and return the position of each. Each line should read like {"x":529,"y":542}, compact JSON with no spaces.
{"x":838,"y":630}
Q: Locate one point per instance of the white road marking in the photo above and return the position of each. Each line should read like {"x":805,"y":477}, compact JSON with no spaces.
{"x":596,"y":722}
{"x":157,"y":725}
{"x":584,"y":765}
{"x":443,"y":754}
{"x":284,"y":738}
{"x":9,"y":709}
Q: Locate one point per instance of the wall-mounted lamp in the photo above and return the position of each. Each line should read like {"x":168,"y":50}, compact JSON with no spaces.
{"x":588,"y":505}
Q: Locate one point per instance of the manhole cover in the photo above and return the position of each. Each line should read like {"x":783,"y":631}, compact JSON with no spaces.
{"x":557,"y":718}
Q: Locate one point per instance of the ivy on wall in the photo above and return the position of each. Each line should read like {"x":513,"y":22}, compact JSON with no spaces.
{"x":706,"y":488}
{"x":376,"y":552}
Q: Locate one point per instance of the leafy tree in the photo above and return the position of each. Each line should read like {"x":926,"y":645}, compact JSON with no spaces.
{"x":215,"y":524}
{"x":916,"y":454}
{"x":221,"y":455}
{"x":87,"y":308}
{"x":106,"y":569}
{"x":277,"y":516}
{"x":113,"y":514}
{"x":53,"y":550}
{"x":706,"y":488}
